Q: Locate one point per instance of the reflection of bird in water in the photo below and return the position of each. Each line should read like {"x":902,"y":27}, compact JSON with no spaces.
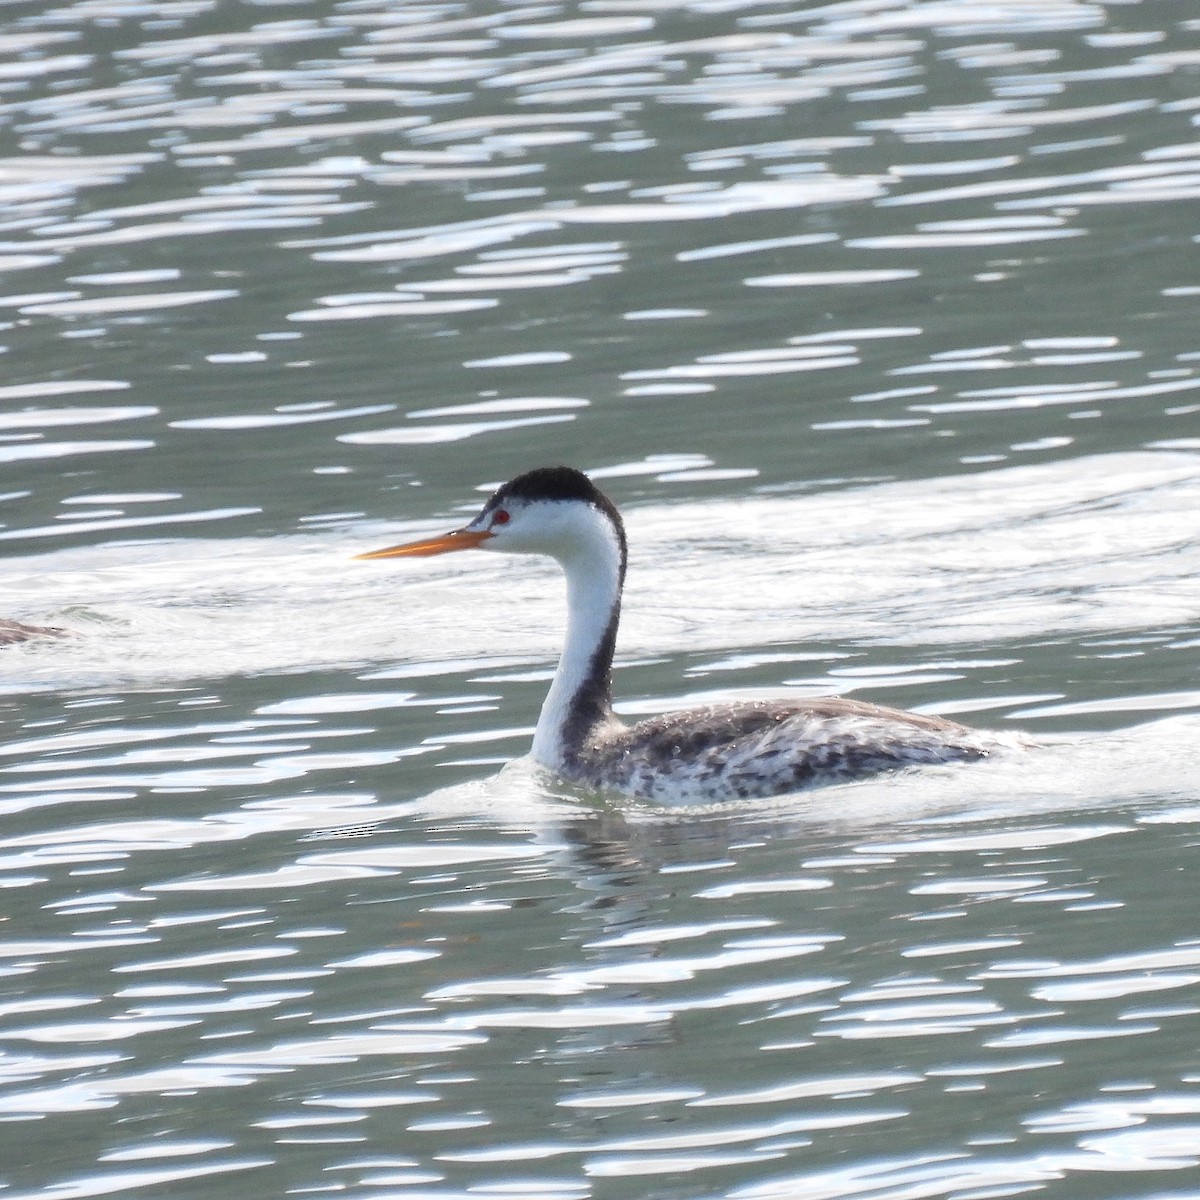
{"x":720,"y":752}
{"x":15,"y":631}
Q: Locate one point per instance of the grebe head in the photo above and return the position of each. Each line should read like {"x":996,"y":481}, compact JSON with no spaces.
{"x":551,"y":510}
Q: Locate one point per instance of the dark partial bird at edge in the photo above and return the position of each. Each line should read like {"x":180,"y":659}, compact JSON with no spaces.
{"x":12,"y":632}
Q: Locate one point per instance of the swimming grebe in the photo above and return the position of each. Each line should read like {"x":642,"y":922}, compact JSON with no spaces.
{"x":720,"y":752}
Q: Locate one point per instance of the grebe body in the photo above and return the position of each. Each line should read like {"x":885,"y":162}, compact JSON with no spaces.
{"x":720,"y":752}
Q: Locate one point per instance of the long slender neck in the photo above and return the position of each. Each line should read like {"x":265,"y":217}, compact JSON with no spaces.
{"x":580,"y":696}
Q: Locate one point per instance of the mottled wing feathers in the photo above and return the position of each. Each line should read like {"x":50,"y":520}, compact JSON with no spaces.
{"x":769,"y":748}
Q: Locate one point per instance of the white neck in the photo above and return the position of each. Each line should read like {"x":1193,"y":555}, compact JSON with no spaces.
{"x":580,"y":689}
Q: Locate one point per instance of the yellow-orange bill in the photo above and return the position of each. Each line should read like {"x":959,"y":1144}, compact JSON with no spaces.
{"x":460,"y":539}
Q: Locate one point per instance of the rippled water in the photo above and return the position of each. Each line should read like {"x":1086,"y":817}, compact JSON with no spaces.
{"x":878,"y":321}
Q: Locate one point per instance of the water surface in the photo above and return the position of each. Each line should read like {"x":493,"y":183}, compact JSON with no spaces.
{"x":876,"y":319}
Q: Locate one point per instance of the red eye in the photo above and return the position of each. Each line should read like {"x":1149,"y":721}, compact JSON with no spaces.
{"x":500,"y":517}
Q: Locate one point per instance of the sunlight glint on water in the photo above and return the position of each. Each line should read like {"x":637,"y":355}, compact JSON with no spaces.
{"x":877,"y":320}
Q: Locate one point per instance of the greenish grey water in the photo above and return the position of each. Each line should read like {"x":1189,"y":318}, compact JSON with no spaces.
{"x":878,"y":321}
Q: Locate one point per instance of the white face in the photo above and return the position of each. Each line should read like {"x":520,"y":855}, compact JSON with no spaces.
{"x":559,"y":528}
{"x":563,"y":529}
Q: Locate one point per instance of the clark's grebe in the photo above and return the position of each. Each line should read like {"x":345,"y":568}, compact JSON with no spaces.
{"x":721,"y":752}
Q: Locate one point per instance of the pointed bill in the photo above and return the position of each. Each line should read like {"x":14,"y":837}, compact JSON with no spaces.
{"x":459,"y":539}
